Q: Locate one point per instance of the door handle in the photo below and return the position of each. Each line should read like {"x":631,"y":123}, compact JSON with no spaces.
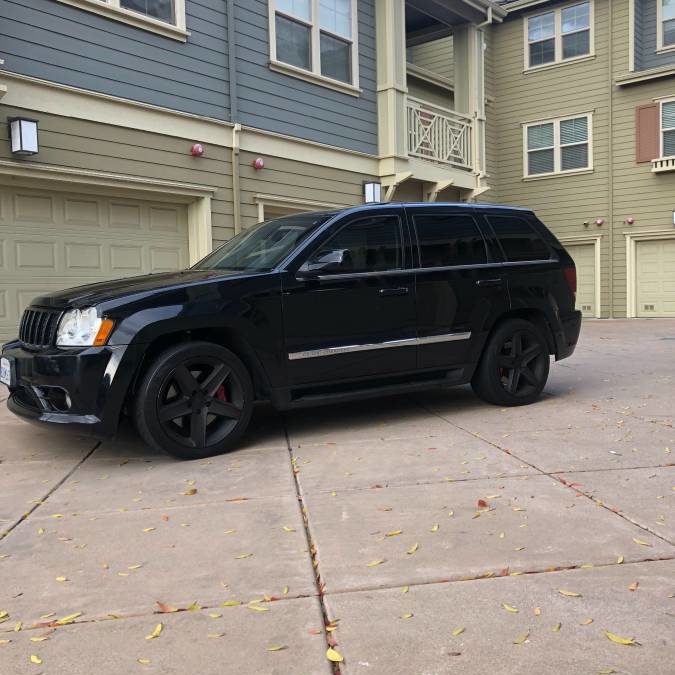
{"x":488,"y":282}
{"x":386,"y":292}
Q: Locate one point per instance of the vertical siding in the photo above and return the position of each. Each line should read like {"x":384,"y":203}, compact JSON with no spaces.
{"x":288,"y":105}
{"x":437,"y":56}
{"x":646,"y":27}
{"x":64,"y":44}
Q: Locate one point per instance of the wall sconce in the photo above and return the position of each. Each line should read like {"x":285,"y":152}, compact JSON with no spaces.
{"x":630,"y":220}
{"x":23,"y":134}
{"x":372,"y":193}
{"x":599,"y":222}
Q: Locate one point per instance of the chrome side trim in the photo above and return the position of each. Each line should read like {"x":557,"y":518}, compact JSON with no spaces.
{"x":347,"y":349}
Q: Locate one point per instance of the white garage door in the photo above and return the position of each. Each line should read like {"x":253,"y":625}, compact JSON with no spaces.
{"x":584,"y":259}
{"x":51,"y":240}
{"x":655,"y":268}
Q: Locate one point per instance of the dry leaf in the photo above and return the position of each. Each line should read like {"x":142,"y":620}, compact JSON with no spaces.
{"x":164,"y":608}
{"x":258,"y":608}
{"x":334,"y":656}
{"x":229,"y":531}
{"x":17,"y":626}
{"x":213,"y":636}
{"x":190,"y":492}
{"x":393,"y":533}
{"x":510,"y":608}
{"x":374,"y":563}
{"x":642,"y":543}
{"x":482,"y":504}
{"x":215,"y":615}
{"x":413,"y":549}
{"x":556,"y":628}
{"x":569,"y":594}
{"x":148,"y":529}
{"x":68,"y":619}
{"x":194,"y":607}
{"x":634,"y":586}
{"x":135,"y":567}
{"x":619,"y":560}
{"x":39,"y":639}
{"x":537,"y":611}
{"x":621,"y":640}
{"x":587,"y":622}
{"x":143,"y":662}
{"x":406,"y":589}
{"x":407,"y":615}
{"x":4,"y":641}
{"x":434,"y":527}
{"x":232,"y":603}
{"x":276,"y":648}
{"x":35,"y":659}
{"x":287,"y":529}
{"x":155,"y":633}
{"x":241,"y":556}
{"x":285,"y":590}
{"x":458,"y":631}
{"x":519,"y":640}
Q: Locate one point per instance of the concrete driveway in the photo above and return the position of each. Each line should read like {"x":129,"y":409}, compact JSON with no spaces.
{"x":417,"y":535}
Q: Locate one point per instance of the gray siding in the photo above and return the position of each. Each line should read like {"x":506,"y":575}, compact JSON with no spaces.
{"x":645,"y":38}
{"x":287,"y":105}
{"x":64,"y":44}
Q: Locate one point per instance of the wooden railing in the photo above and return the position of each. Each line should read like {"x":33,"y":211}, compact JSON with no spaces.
{"x":439,"y":135}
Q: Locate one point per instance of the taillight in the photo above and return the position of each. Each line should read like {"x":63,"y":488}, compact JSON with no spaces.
{"x":571,"y":279}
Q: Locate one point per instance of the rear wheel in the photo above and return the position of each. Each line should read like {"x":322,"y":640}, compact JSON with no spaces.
{"x":194,"y":401}
{"x":514,"y":367}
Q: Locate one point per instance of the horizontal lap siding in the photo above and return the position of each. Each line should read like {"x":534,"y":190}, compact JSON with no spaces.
{"x":645,"y":38}
{"x":64,"y":44}
{"x":288,"y":105}
{"x":437,"y":56}
{"x":91,"y":146}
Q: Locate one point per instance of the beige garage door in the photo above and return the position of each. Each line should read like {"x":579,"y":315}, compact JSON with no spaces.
{"x":584,"y":259}
{"x":51,"y":240}
{"x":655,"y":268}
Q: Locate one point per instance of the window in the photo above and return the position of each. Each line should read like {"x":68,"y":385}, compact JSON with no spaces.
{"x":315,"y":36}
{"x":562,"y":34}
{"x":368,"y":245}
{"x":157,"y":9}
{"x":557,"y":146}
{"x":446,"y":240}
{"x":668,"y":129}
{"x":666,"y":24}
{"x":519,"y":239}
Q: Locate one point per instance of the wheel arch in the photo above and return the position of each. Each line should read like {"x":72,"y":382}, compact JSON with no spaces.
{"x":535,"y":316}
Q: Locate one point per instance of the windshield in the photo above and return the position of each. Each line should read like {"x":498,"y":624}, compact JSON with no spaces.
{"x":264,"y":246}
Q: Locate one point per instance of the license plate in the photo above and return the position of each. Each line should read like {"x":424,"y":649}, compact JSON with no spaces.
{"x":5,"y":371}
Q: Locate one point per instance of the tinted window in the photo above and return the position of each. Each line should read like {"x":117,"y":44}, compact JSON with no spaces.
{"x":519,"y":239}
{"x":447,"y":239}
{"x":367,"y":245}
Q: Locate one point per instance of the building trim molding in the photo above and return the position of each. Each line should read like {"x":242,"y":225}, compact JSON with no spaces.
{"x":263,"y":200}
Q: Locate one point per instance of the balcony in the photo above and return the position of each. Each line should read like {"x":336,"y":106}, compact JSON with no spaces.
{"x":439,"y":135}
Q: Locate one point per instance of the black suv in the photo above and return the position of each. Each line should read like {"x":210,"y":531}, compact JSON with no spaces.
{"x":303,"y":310}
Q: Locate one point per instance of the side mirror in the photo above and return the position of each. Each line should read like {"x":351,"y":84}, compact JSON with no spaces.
{"x":325,"y":262}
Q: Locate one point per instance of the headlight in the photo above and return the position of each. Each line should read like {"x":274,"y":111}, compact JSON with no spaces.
{"x":83,"y":328}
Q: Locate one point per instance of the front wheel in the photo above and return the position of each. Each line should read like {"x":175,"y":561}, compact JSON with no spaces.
{"x":195,"y":400}
{"x":514,"y":367}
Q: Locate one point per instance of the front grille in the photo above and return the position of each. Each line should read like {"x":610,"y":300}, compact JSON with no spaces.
{"x":38,"y":327}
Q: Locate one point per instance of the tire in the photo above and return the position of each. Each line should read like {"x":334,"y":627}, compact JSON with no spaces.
{"x":514,"y":366}
{"x":195,"y":400}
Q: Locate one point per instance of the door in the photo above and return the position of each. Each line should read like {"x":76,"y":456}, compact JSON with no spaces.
{"x":584,"y":260}
{"x":349,"y":306}
{"x":459,"y":286}
{"x":51,"y":240}
{"x":655,"y":270}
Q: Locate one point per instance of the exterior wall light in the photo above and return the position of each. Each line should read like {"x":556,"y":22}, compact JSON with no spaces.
{"x":23,"y":134}
{"x":372,"y":193}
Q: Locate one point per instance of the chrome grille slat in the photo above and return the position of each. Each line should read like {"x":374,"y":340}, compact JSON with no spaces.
{"x":38,"y":327}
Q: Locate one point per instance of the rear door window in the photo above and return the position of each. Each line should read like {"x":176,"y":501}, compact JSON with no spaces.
{"x":520,"y":241}
{"x":447,"y":239}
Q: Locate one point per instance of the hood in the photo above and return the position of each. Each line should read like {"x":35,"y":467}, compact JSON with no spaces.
{"x":93,"y":294}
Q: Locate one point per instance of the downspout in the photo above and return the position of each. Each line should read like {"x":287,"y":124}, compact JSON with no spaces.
{"x":234,"y":114}
{"x":610,"y":163}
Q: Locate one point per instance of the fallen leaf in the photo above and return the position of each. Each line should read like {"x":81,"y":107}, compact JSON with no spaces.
{"x":143,"y":662}
{"x":621,"y":640}
{"x":276,"y":648}
{"x":68,"y":619}
{"x":285,"y":528}
{"x":148,"y":529}
{"x":537,"y":611}
{"x":569,"y":594}
{"x":606,"y":671}
{"x":458,"y":631}
{"x":393,"y":533}
{"x":258,"y":608}
{"x":285,"y":590}
{"x":406,"y":589}
{"x":334,"y":656}
{"x":194,"y":607}
{"x":510,"y":608}
{"x":482,"y":504}
{"x":215,"y":615}
{"x":17,"y":626}
{"x":634,"y":586}
{"x":587,"y":622}
{"x":4,"y":641}
{"x":190,"y":492}
{"x":231,"y":603}
{"x":241,"y":556}
{"x":374,"y":563}
{"x":35,"y":659}
{"x":619,"y":560}
{"x":642,"y":543}
{"x":519,"y":640}
{"x":413,"y":549}
{"x":135,"y":567}
{"x":407,"y":615}
{"x":556,"y":628}
{"x":451,"y":514}
{"x":213,"y":636}
{"x":39,"y":639}
{"x":156,"y":632}
{"x":229,"y":531}
{"x":164,"y":608}
{"x":434,"y":527}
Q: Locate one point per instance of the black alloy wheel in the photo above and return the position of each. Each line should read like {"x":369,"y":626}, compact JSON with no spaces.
{"x":194,"y":401}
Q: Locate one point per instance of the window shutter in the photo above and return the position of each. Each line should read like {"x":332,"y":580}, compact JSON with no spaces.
{"x":647,"y":133}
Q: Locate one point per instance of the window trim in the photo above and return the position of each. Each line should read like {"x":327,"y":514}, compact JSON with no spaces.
{"x":111,"y":9}
{"x":314,"y":74}
{"x":557,"y":171}
{"x":559,"y":60}
{"x":662,"y":130}
{"x":660,"y":47}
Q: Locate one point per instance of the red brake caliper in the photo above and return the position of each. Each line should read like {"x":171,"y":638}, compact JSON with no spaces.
{"x":220,"y":394}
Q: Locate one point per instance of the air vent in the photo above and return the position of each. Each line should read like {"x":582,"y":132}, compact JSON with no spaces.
{"x":648,"y":308}
{"x":586,"y":308}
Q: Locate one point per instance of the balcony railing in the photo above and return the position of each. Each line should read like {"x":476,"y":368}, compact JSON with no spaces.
{"x":439,"y":135}
{"x":663,"y":164}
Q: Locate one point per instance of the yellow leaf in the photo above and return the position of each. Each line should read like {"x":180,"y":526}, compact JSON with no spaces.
{"x":619,"y":560}
{"x":57,"y":515}
{"x":334,"y":656}
{"x":569,"y":594}
{"x":123,"y":574}
{"x":17,"y":626}
{"x":586,"y":622}
{"x":276,"y":648}
{"x":241,"y":556}
{"x":458,"y":631}
{"x":537,"y":611}
{"x":194,"y":607}
{"x":68,"y":619}
{"x":285,"y":590}
{"x":215,"y":615}
{"x":519,"y":640}
{"x":620,"y":640}
{"x":41,"y":530}
{"x":143,"y":662}
{"x":413,"y":549}
{"x":642,"y":543}
{"x":556,"y":628}
{"x":510,"y":608}
{"x":406,"y":589}
{"x":231,"y":603}
{"x":258,"y":608}
{"x":148,"y":529}
{"x":4,"y":614}
{"x":190,"y":492}
{"x":288,"y":529}
{"x":4,"y":642}
{"x":634,"y":586}
{"x":35,"y":659}
{"x":434,"y":527}
{"x":215,"y":635}
{"x":229,"y":531}
{"x":48,"y":616}
{"x":155,"y":633}
{"x":374,"y":563}
{"x":451,"y":514}
{"x":135,"y":567}
{"x":39,"y":639}
{"x":407,"y":615}
{"x":393,"y":533}
{"x":502,"y":535}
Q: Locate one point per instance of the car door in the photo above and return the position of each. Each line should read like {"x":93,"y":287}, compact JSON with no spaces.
{"x":349,"y":302}
{"x":459,"y":285}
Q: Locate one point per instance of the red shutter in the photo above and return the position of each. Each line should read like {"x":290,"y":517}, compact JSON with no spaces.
{"x":647,"y":132}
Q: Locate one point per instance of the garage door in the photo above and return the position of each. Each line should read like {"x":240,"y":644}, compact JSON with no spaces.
{"x":51,"y":240}
{"x":655,"y":269}
{"x":584,"y":259}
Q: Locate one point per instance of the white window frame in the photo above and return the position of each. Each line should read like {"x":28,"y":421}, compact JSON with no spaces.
{"x":112,"y":9}
{"x":662,"y":130}
{"x":314,"y":74}
{"x":660,"y":47}
{"x":557,"y":11}
{"x":557,"y":171}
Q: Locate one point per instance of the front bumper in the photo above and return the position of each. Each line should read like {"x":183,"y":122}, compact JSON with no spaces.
{"x":82,"y":388}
